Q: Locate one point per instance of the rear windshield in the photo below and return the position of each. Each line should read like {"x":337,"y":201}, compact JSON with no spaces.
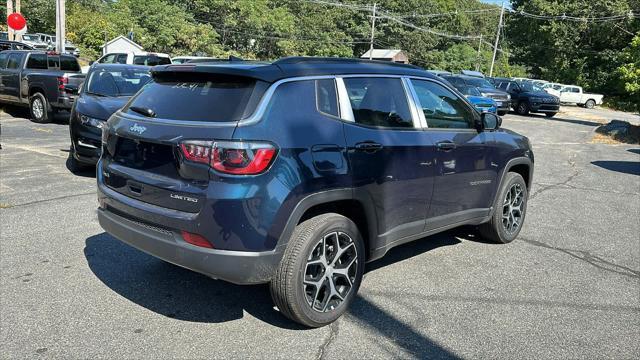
{"x":194,"y":98}
{"x":481,"y":83}
{"x":117,"y":82}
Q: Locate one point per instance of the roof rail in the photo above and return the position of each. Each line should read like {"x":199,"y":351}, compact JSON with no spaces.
{"x":316,"y":59}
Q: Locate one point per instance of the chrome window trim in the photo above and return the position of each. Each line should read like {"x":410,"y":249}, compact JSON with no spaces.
{"x":261,"y":109}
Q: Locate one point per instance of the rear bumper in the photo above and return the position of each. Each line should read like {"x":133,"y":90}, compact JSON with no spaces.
{"x":64,"y":102}
{"x":239,"y":267}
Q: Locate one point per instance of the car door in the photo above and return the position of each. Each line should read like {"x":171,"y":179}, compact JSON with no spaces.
{"x":570,"y":94}
{"x":391,"y":159}
{"x":465,"y":174}
{"x":11,"y":77}
{"x":4,"y":57}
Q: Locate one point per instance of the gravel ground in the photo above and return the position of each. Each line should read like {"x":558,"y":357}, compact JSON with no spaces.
{"x":569,"y":287}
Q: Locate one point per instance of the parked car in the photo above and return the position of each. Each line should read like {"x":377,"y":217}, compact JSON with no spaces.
{"x":473,"y":73}
{"x":481,"y":103}
{"x":487,"y":89}
{"x":145,"y":58}
{"x":13,"y":45}
{"x":528,"y":97}
{"x":43,"y":81}
{"x":307,"y":169}
{"x":439,"y":72}
{"x":34,"y":41}
{"x":575,"y":94}
{"x":107,"y":88}
{"x":552,"y":88}
{"x":50,"y":41}
{"x":47,"y":39}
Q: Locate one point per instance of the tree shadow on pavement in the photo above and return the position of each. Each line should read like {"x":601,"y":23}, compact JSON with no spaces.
{"x":626,"y":167}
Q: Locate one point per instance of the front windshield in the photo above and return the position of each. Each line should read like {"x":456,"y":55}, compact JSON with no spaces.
{"x":469,"y":90}
{"x":529,"y":86}
{"x":481,"y":83}
{"x":117,"y":82}
{"x":30,"y":37}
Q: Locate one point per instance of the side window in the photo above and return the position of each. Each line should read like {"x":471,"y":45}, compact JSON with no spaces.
{"x":3,"y":60}
{"x":442,"y":108}
{"x":575,"y":90}
{"x":326,"y":98}
{"x":122,"y":59}
{"x":379,"y":102}
{"x":54,"y":62}
{"x":109,"y":59}
{"x":37,"y":61}
{"x":14,"y":61}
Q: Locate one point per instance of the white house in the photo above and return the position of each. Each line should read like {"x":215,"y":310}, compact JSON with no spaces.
{"x":387,"y":55}
{"x":121,"y":44}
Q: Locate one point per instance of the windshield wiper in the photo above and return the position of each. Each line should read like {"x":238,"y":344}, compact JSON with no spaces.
{"x":143,"y":111}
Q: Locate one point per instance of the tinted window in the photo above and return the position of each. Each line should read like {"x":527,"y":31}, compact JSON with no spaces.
{"x":441,"y":107}
{"x":5,"y":46}
{"x":575,"y":90}
{"x":3,"y":60}
{"x":37,"y":61}
{"x":326,"y":98}
{"x":117,"y":82}
{"x":54,"y":62}
{"x":69,"y":63}
{"x":14,"y":61}
{"x":454,"y":80}
{"x":122,"y":59}
{"x":478,"y":82}
{"x":150,"y":60}
{"x":379,"y":102}
{"x":193,"y":97}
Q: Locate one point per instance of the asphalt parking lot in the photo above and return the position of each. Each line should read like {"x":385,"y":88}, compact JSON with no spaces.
{"x":569,"y":287}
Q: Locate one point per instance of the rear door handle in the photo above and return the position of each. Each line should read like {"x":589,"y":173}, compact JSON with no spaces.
{"x":446,"y":145}
{"x":368,"y":146}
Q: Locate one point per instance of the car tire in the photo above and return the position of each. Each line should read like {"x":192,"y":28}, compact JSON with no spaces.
{"x":550,"y":115}
{"x":73,"y":164}
{"x":39,"y":108}
{"x":590,"y":104}
{"x":328,"y":238}
{"x":509,"y":211}
{"x":522,"y":108}
{"x":502,"y":113}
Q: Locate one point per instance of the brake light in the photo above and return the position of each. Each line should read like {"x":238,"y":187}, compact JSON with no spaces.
{"x":195,"y":239}
{"x":231,"y":157}
{"x":62,"y":81}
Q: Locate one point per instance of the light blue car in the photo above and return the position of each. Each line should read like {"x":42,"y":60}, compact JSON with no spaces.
{"x":481,"y":103}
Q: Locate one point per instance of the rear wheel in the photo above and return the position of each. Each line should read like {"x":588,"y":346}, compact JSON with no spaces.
{"x":590,"y":104}
{"x":39,"y":108}
{"x":522,"y":108}
{"x":510,"y":210}
{"x":321,"y":271}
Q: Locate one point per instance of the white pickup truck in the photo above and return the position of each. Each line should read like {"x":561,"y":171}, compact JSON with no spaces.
{"x":574,"y":94}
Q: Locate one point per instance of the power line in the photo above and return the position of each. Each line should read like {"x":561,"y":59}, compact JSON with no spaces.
{"x":427,"y":30}
{"x":564,"y":17}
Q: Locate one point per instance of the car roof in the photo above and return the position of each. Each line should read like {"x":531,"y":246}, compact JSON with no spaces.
{"x":465,"y":77}
{"x":297,"y":67}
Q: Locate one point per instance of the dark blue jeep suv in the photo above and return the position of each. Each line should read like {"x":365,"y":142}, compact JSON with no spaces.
{"x":300,"y":171}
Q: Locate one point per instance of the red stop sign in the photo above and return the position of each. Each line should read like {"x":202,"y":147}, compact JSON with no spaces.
{"x":16,"y":21}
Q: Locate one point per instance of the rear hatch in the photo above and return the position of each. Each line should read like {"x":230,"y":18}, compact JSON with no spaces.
{"x":145,"y":156}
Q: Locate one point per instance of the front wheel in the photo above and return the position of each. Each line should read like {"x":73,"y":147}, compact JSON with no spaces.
{"x":522,"y":108}
{"x":508,"y":215}
{"x":321,"y":270}
{"x":39,"y":108}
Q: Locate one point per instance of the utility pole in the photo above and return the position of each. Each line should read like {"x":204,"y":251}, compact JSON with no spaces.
{"x":478,"y":56}
{"x":373,"y":29}
{"x":60,"y":25}
{"x":495,"y":47}
{"x":9,"y":11}
{"x":18,"y":36}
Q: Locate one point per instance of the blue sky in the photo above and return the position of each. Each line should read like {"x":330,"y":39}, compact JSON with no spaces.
{"x":496,"y":2}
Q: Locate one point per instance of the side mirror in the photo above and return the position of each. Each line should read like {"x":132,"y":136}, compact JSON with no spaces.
{"x":490,"y":121}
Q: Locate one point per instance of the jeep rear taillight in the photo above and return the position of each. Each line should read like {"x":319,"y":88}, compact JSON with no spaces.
{"x":231,"y":157}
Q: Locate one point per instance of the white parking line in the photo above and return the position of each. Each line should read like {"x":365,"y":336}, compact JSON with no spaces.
{"x":54,"y":153}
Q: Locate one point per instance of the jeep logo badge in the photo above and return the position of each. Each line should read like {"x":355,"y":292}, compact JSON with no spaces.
{"x":138,"y":129}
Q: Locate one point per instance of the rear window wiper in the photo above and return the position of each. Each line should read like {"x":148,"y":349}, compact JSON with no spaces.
{"x":143,"y":111}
